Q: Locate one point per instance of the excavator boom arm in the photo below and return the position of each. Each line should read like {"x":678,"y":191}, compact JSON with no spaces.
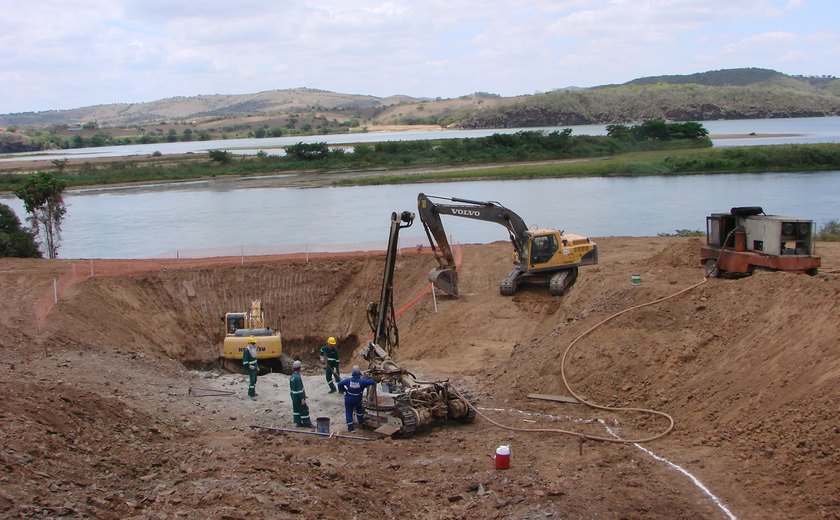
{"x":445,"y":276}
{"x":488,"y":211}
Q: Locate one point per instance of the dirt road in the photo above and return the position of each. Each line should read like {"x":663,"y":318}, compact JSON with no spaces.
{"x":98,"y":421}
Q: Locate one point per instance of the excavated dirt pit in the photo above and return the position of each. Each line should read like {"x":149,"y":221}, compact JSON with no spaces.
{"x":98,"y":419}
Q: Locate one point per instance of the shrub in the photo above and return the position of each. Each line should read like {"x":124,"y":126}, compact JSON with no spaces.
{"x":684,"y":233}
{"x":219,"y":156}
{"x":830,"y":231}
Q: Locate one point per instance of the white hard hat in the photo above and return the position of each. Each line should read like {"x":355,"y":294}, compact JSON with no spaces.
{"x":356,"y":369}
{"x":296,"y":364}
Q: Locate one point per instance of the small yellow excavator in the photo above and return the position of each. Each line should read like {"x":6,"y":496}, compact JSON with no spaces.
{"x":539,"y":255}
{"x":239,"y":326}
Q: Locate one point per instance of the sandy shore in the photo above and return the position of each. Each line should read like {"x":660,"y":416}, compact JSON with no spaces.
{"x":750,"y":136}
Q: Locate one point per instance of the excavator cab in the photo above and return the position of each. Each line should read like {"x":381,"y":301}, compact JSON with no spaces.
{"x":543,"y":248}
{"x":233,"y":322}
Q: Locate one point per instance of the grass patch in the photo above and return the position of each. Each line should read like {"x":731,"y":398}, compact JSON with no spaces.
{"x":752,"y":159}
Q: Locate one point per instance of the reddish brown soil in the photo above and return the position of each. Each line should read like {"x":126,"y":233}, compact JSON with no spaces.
{"x":96,"y":420}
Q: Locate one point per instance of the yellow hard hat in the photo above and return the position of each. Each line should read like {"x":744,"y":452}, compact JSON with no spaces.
{"x":331,"y":341}
{"x":252,"y":339}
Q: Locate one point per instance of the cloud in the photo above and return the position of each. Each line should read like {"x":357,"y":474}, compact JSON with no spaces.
{"x":773,"y":38}
{"x":141,"y":50}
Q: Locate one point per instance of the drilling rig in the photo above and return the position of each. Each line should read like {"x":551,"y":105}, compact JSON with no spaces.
{"x":400,"y":403}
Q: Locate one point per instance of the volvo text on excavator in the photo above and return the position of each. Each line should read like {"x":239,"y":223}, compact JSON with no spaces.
{"x":539,"y":255}
{"x":401,"y":404}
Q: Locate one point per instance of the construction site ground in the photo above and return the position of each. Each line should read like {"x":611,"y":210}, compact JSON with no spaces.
{"x":98,"y":420}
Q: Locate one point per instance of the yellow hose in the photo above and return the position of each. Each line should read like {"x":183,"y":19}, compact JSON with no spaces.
{"x":584,"y":436}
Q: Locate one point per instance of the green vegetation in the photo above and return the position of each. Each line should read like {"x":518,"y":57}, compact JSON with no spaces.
{"x":496,"y":148}
{"x":220,"y":156}
{"x":308,"y":151}
{"x":777,"y":158}
{"x":650,"y":149}
{"x":684,"y":233}
{"x":658,"y":130}
{"x":14,"y":240}
{"x":830,"y":231}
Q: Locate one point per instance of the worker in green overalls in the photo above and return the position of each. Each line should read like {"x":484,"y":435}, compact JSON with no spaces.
{"x":300,"y":411}
{"x":329,"y":352}
{"x":249,"y":359}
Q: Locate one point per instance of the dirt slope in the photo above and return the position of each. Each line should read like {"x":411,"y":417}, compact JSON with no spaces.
{"x":96,"y":418}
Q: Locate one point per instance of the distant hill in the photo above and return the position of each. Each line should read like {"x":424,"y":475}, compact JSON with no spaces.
{"x":202,"y":107}
{"x":748,"y":93}
{"x":719,"y":78}
{"x":720,"y":94}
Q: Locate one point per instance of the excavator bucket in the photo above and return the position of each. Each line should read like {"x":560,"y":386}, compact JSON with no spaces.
{"x":445,"y":279}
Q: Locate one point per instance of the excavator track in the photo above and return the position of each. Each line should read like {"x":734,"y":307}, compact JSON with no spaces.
{"x":562,"y":281}
{"x":509,"y":284}
{"x":408,"y":417}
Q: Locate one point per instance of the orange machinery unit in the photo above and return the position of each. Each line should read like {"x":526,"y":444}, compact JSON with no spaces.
{"x":746,"y":238}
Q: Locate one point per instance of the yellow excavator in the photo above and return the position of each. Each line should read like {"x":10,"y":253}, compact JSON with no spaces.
{"x":539,"y":255}
{"x":239,"y":326}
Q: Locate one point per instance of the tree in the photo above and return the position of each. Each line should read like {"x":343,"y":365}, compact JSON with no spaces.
{"x":655,"y":129}
{"x":619,"y":132}
{"x":308,"y":151}
{"x":14,"y":240}
{"x":42,"y":198}
{"x":687,"y":130}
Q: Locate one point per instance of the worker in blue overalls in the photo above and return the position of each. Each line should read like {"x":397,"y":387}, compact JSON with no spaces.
{"x":353,"y":387}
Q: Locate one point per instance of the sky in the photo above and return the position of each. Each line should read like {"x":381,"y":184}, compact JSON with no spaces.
{"x":69,"y":54}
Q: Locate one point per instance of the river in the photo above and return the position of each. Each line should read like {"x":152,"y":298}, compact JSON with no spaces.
{"x":210,"y":218}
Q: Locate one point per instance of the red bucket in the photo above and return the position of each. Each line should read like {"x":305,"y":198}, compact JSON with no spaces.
{"x":502,"y":457}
